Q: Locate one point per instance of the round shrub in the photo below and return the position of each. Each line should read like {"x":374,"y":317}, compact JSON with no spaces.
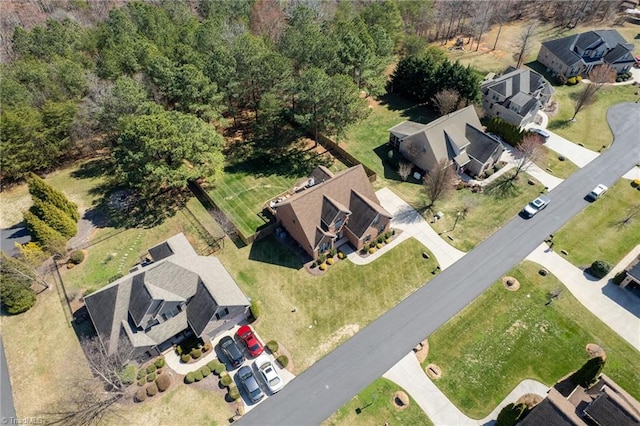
{"x":163,"y":382}
{"x":571,"y":81}
{"x":273,"y":346}
{"x":226,"y":380}
{"x":600,"y":268}
{"x":372,"y":250}
{"x":387,"y":241}
{"x":205,"y":371}
{"x":561,"y":158}
{"x":330,"y":261}
{"x":76,"y":257}
{"x":379,"y":245}
{"x":234,"y":393}
{"x":151,"y":369}
{"x":206,"y":347}
{"x":185,"y":358}
{"x":578,"y":79}
{"x":212,"y":364}
{"x":196,"y":353}
{"x":198,"y":376}
{"x":140,"y":395}
{"x":128,"y":374}
{"x":283,"y":361}
{"x":256,"y":309}
{"x":219,"y":368}
{"x":160,"y":362}
{"x":190,"y":377}
{"x":151,"y":377}
{"x":142,"y":381}
{"x":340,"y":255}
{"x":152,"y":389}
{"x":142,"y":373}
{"x":323,"y":267}
{"x":179,"y":350}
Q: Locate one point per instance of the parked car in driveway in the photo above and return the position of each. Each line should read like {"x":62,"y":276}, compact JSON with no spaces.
{"x":249,"y":338}
{"x":535,"y":206}
{"x":271,"y":377}
{"x":250,"y":384}
{"x":231,"y":350}
{"x":597,"y":192}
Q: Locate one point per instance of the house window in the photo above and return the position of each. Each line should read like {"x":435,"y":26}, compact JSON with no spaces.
{"x":223,"y":313}
{"x":376,"y":220}
{"x":324,"y":246}
{"x":367,"y":238}
{"x":338,"y":223}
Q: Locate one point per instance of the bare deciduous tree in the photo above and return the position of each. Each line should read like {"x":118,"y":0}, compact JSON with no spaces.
{"x":632,"y":212}
{"x":523,"y":43}
{"x":446,"y":100}
{"x":529,"y":151}
{"x":598,"y":77}
{"x":482,"y":12}
{"x":439,"y":181}
{"x":92,"y":400}
{"x":404,"y":169}
{"x":500,"y":17}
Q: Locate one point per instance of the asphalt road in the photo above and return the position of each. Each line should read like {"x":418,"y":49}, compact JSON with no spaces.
{"x":332,"y":381}
{"x":10,"y":236}
{"x":7,"y":409}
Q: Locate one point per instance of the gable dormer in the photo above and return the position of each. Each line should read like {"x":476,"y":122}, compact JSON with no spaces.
{"x":333,"y":214}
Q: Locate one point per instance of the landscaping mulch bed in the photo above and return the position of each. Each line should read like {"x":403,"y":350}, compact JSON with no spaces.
{"x":511,"y":283}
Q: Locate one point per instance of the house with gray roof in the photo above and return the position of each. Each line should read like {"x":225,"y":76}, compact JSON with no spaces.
{"x":516,"y":96}
{"x":328,"y":209}
{"x":606,"y":403}
{"x":577,"y":54}
{"x":176,"y":295}
{"x":457,"y":137}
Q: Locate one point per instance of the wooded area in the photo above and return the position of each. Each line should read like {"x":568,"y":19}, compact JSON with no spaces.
{"x":70,"y":90}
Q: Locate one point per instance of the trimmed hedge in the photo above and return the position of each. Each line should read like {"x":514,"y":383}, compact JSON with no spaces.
{"x":273,"y":346}
{"x":283,"y":361}
{"x":152,"y":389}
{"x":190,"y":377}
{"x":507,"y":131}
{"x":205,"y":371}
{"x":198,"y":376}
{"x":219,"y":368}
{"x":212,"y":364}
{"x":599,"y":268}
{"x":256,"y":309}
{"x":226,"y":380}
{"x":163,"y":382}
{"x":141,"y":395}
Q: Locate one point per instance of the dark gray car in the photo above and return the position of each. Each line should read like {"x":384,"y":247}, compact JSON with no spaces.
{"x":250,"y":384}
{"x":231,"y":351}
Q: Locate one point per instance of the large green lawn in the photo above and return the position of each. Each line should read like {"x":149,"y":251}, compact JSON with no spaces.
{"x":331,"y":307}
{"x":504,"y":337}
{"x":377,"y":400}
{"x":598,"y":232}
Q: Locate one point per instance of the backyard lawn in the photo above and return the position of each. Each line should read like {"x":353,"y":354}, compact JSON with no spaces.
{"x":598,"y":232}
{"x":329,"y":308}
{"x":504,"y":337}
{"x":377,"y":400}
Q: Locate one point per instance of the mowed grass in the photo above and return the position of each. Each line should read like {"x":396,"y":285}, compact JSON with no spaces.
{"x":242,"y":197}
{"x":486,"y":214}
{"x":43,"y":354}
{"x":550,"y":162}
{"x":16,"y":200}
{"x":504,"y":337}
{"x":329,"y":308}
{"x":377,"y":398}
{"x":597,"y":232}
{"x":115,"y":250}
{"x":591,"y":127}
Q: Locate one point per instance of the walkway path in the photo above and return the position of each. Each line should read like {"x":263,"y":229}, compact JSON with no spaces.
{"x":408,"y":374}
{"x":614,"y":306}
{"x":412,"y":224}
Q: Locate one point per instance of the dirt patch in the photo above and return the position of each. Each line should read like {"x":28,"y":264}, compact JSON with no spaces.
{"x":510,"y":283}
{"x":422,"y":350}
{"x":338,"y":337}
{"x":400,"y":400}
{"x":433,"y":371}
{"x":515,"y":326}
{"x":595,"y":351}
{"x":530,"y":400}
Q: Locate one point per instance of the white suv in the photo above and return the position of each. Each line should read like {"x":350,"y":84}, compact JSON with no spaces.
{"x":597,"y":192}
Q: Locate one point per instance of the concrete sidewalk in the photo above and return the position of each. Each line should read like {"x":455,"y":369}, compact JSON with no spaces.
{"x":412,"y":224}
{"x":616,"y":307}
{"x":408,"y":374}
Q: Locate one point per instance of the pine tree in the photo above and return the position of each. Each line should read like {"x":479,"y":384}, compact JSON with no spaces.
{"x":54,"y":217}
{"x":40,"y":232}
{"x":38,"y":188}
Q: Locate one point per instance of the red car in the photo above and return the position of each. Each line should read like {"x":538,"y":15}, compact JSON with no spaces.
{"x":253,"y":344}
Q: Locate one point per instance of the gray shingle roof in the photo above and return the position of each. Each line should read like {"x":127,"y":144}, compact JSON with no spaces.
{"x":545,"y":414}
{"x":184,"y":276}
{"x":482,"y":145}
{"x":604,"y":411}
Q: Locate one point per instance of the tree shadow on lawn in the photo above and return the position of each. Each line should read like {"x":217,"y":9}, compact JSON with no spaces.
{"x":390,"y":165}
{"x":276,"y":252}
{"x":504,"y":187}
{"x":410,"y":110}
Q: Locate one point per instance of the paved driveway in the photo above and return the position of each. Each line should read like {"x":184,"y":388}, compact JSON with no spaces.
{"x":333,"y":380}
